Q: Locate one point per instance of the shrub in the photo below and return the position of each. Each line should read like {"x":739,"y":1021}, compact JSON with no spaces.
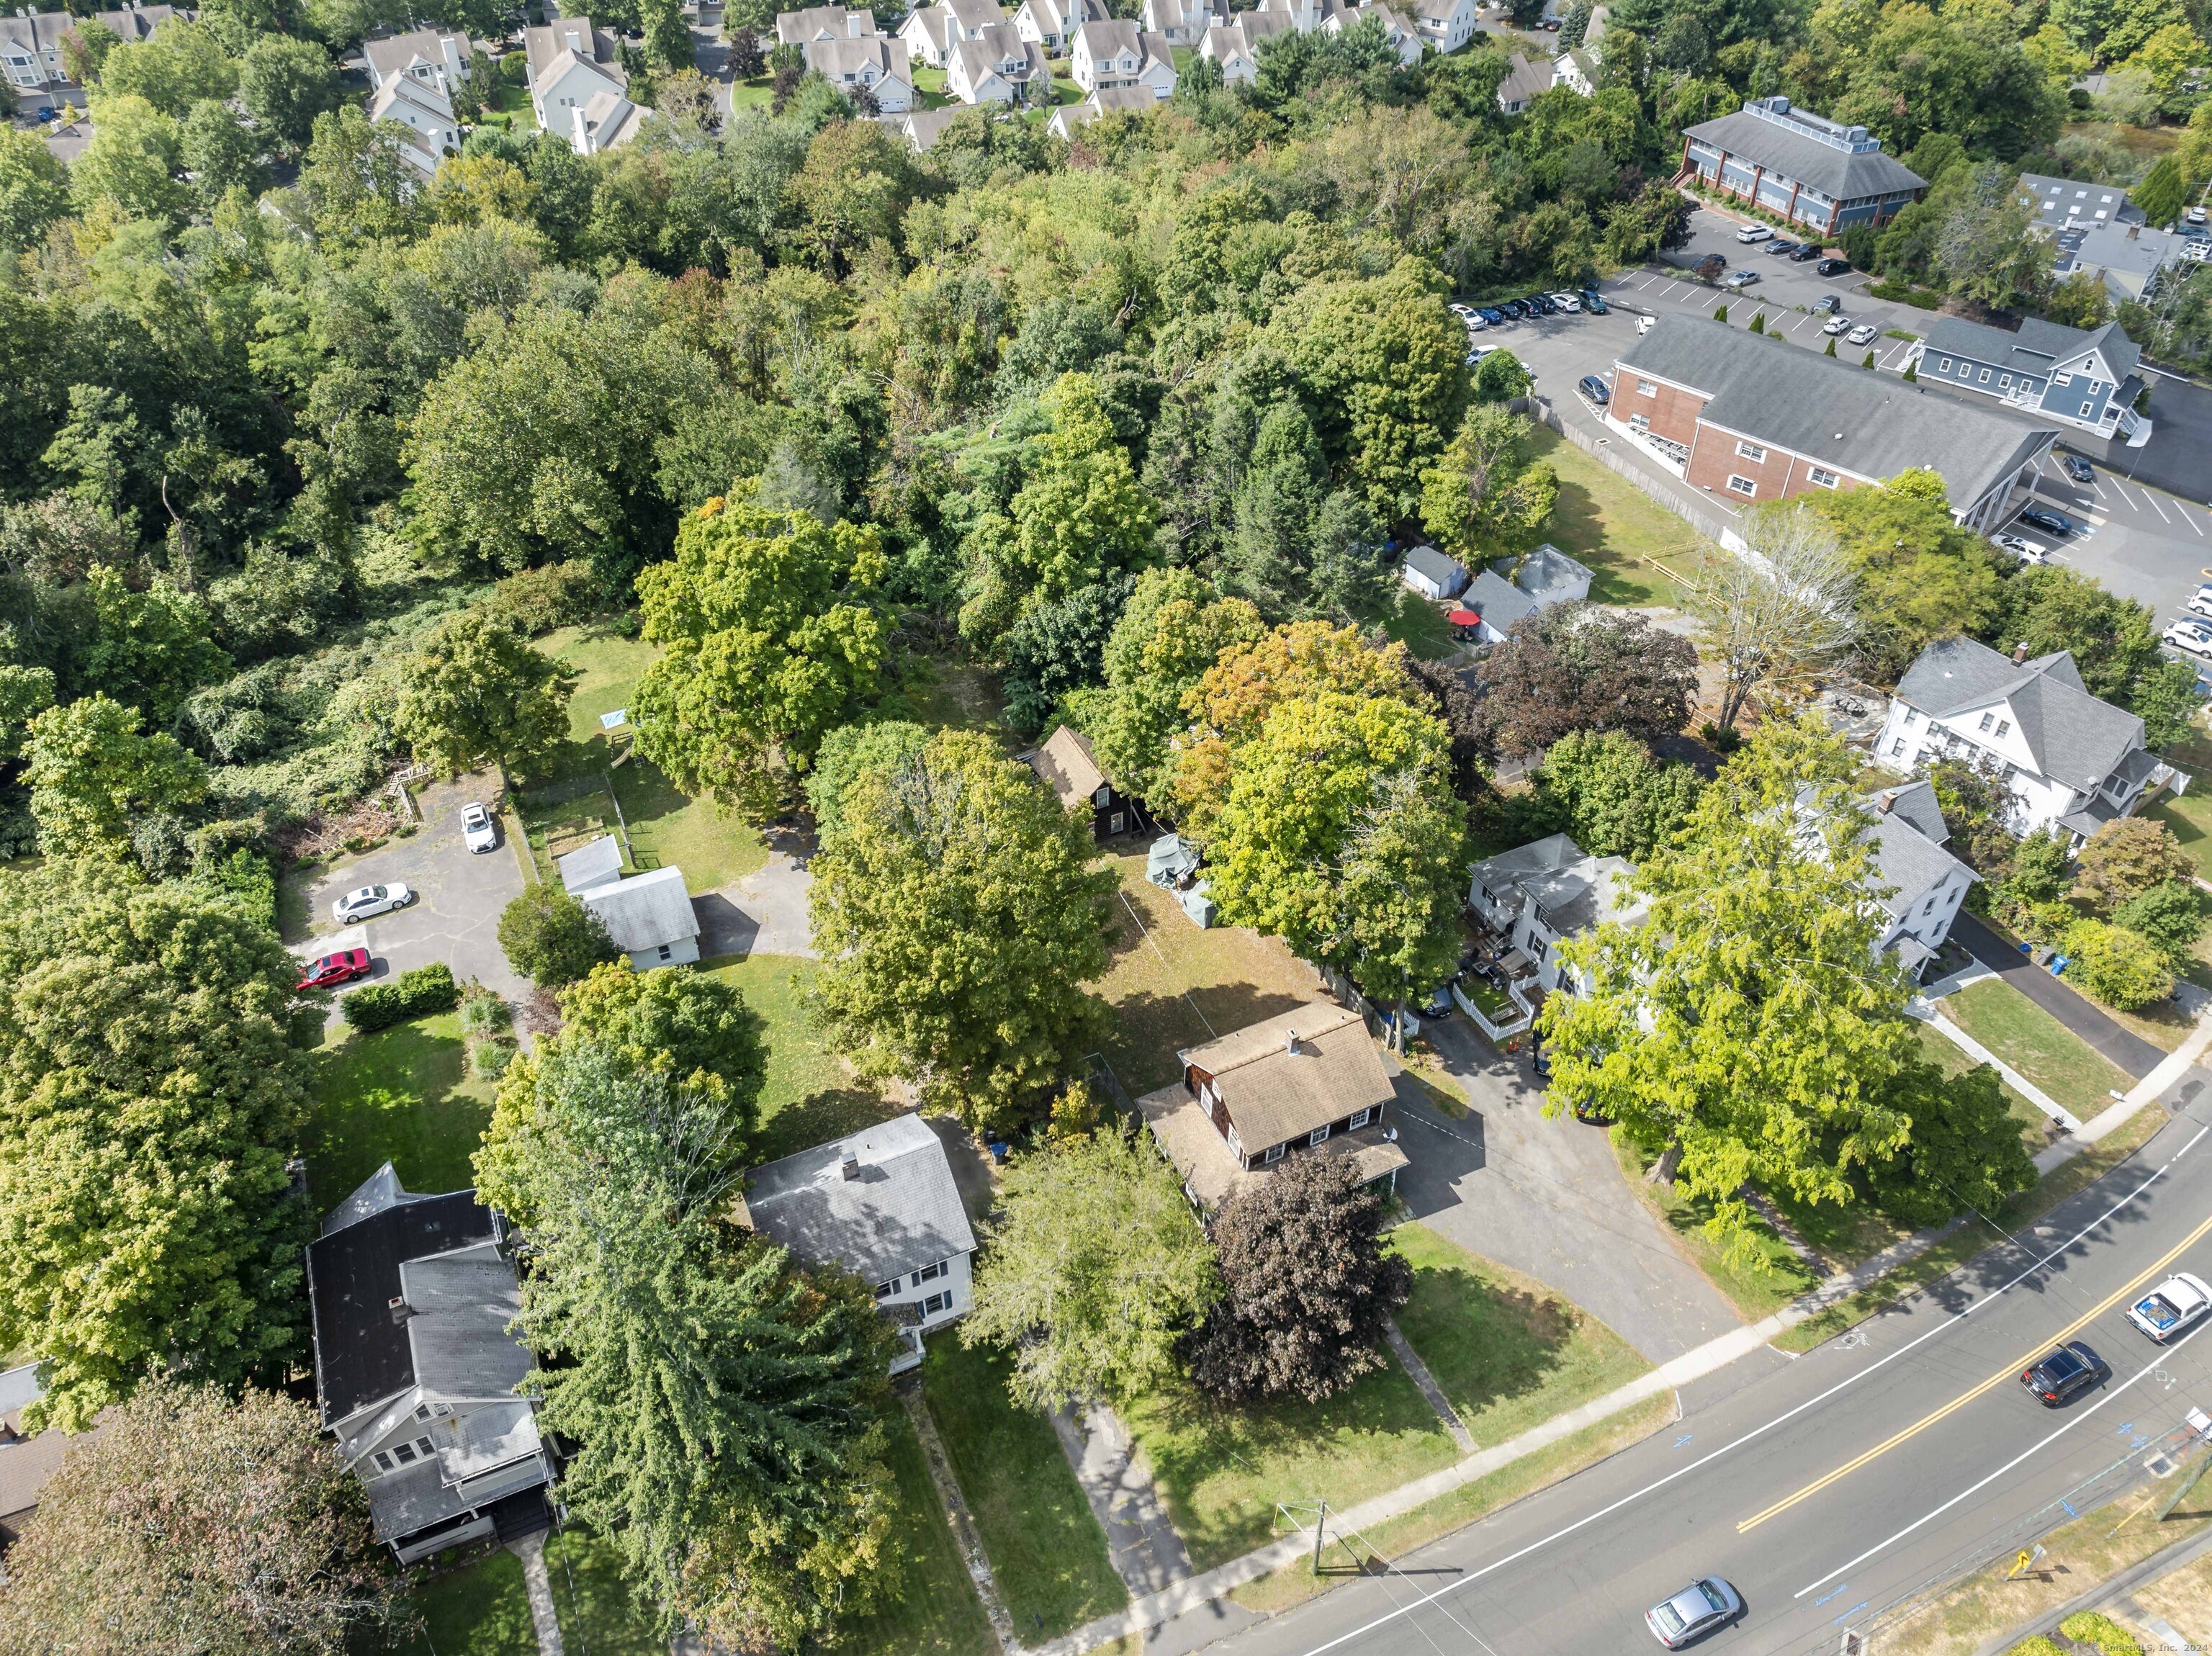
{"x":2038,"y":1646}
{"x":414,"y":994}
{"x":488,"y":1060}
{"x":536,"y":601}
{"x":2089,"y":1628}
{"x":2122,"y":968}
{"x":484,"y":1013}
{"x":551,"y":939}
{"x":2171,"y":914}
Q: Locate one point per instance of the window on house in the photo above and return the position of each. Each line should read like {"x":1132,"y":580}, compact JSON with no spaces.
{"x":1965,"y":371}
{"x":1822,"y":478}
{"x":1640,"y":422}
{"x":1646,"y":388}
{"x":1316,"y":1137}
{"x":383,"y":1461}
{"x":884,"y":1290}
{"x":666,"y":953}
{"x":935,"y":1303}
{"x":2061,"y":379}
{"x":2004,"y":727}
{"x":422,"y":1411}
{"x":1911,"y":718}
{"x":1988,"y":720}
{"x":927,"y":1274}
{"x":1943,"y":366}
{"x":1274,"y":1152}
{"x":1897,"y":749}
{"x":1986,"y":376}
{"x":2086,"y":406}
{"x":1928,"y":907}
{"x":2004,"y":382}
{"x":1359,"y":1118}
{"x":1751,"y":450}
{"x":1742,"y":486}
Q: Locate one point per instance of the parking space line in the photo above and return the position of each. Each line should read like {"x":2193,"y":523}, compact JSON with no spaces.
{"x":2097,"y":489}
{"x":1800,"y":323}
{"x":2156,"y":508}
{"x":1669,"y":294}
{"x":2188,"y":519}
{"x":1647,"y":282}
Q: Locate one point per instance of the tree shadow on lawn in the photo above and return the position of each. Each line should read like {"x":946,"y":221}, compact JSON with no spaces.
{"x":820,"y":1117}
{"x":1487,"y":1342}
{"x":1151,"y":1028}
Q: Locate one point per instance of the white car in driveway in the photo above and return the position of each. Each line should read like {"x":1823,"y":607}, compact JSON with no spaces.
{"x":358,"y":906}
{"x":1864,"y":334}
{"x":2194,"y":636}
{"x":2200,"y":601}
{"x":1837,"y":324}
{"x":477,"y":833}
{"x":2021,"y":547}
{"x":2171,"y":1308}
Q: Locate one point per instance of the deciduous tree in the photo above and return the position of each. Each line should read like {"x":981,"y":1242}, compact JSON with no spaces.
{"x":1485,"y":495}
{"x":148,"y":1100}
{"x":2126,"y":857}
{"x":196,"y":1522}
{"x":1581,"y":667}
{"x":851,"y":750}
{"x":1094,"y":1269}
{"x":1308,"y":1285}
{"x":2171,"y":914}
{"x":93,"y":774}
{"x":959,"y":915}
{"x":2122,"y":968}
{"x":477,"y":694}
{"x":1775,"y":617}
{"x":551,"y":939}
{"x":1604,"y":790}
{"x":1173,"y":629}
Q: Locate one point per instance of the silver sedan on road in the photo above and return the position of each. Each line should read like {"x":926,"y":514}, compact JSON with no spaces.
{"x":1702,"y":1607}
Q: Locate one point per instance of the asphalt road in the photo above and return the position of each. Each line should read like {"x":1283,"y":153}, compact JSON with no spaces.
{"x":1832,"y":1486}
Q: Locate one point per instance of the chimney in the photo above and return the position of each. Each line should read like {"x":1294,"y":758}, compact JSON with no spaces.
{"x":401,"y":1311}
{"x":2020,"y":653}
{"x":1290,"y":1042}
{"x":850,"y":1167}
{"x":1887,"y":800}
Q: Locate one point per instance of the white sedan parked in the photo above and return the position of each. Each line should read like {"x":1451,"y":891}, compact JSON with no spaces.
{"x":1864,"y":334}
{"x":357,"y":905}
{"x":2194,"y":636}
{"x":2200,"y":601}
{"x":477,"y":833}
{"x":1837,"y":324}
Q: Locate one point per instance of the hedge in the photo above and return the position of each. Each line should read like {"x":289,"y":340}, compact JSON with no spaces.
{"x":414,"y":994}
{"x":1903,"y":293}
{"x":2088,"y":1627}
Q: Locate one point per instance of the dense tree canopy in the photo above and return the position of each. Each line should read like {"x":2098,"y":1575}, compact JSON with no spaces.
{"x":1579,"y":667}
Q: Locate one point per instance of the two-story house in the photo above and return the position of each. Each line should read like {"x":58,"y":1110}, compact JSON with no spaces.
{"x":1536,"y":896}
{"x":1183,"y":21}
{"x":441,"y":58}
{"x":881,"y":1202}
{"x":578,"y":87}
{"x":1447,"y":25}
{"x":2068,"y":759}
{"x":1069,"y":119}
{"x":869,"y":63}
{"x":1049,"y":23}
{"x":932,"y":31}
{"x":31,"y":43}
{"x":1397,"y":28}
{"x":430,"y":130}
{"x":1525,"y":82}
{"x":1234,"y":48}
{"x":800,"y":28}
{"x":1308,"y":1082}
{"x":997,"y":67}
{"x":416,"y":1371}
{"x":2088,"y":381}
{"x":1101,"y":56}
{"x":1065,"y":764}
{"x":1922,"y":885}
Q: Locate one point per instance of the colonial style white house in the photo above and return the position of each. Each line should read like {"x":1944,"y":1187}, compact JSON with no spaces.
{"x":1049,"y":22}
{"x":996,"y":67}
{"x":1447,"y":25}
{"x":1537,"y":896}
{"x":435,"y":58}
{"x":932,"y":31}
{"x":1102,"y":56}
{"x":1924,"y":884}
{"x":578,"y":88}
{"x":426,"y":114}
{"x":31,"y":42}
{"x":1397,"y":28}
{"x":411,"y":1298}
{"x":868,"y":63}
{"x":1070,"y":118}
{"x":881,"y":1202}
{"x":1525,"y":82}
{"x":2077,"y":378}
{"x":1183,"y":21}
{"x":1234,"y":47}
{"x":2068,"y":759}
{"x":799,"y":28}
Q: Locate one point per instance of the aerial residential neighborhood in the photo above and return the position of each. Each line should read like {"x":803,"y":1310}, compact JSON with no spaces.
{"x":1020,"y":829}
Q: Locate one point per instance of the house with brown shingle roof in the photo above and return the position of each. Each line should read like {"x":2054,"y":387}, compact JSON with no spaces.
{"x":1067,"y":765}
{"x":1307,"y":1082}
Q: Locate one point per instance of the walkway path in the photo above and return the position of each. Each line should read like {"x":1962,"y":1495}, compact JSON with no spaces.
{"x":1147,"y":1553}
{"x":956,"y":1514}
{"x":2124,"y":1048}
{"x":1410,"y":1360}
{"x":1926,"y":1012}
{"x":530,"y":1550}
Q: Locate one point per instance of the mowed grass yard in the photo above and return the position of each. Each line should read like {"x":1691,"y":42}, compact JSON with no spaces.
{"x":809,"y":1095}
{"x":929,"y":1606}
{"x":1508,"y":1353}
{"x":403,"y":1096}
{"x":1172,"y":986}
{"x":2037,"y":1044}
{"x":1759,"y":1278}
{"x":1947,"y":1056}
{"x":1047,"y":1551}
{"x":1610,"y":524}
{"x":481,"y":1608}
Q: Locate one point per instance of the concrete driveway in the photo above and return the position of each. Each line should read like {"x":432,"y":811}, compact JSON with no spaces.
{"x":763,"y":913}
{"x":459,"y":896}
{"x":1548,"y":1198}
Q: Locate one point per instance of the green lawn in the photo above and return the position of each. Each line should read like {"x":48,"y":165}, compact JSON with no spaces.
{"x":1765,"y":1276}
{"x":1945,"y":1054}
{"x":1046,"y":1549}
{"x":481,"y":1609}
{"x":401,"y":1096}
{"x":509,"y":104}
{"x":1614,"y":527}
{"x":2190,"y":816}
{"x":1223,"y":1467}
{"x":1508,"y":1352}
{"x":2037,"y":1044}
{"x":808,"y":1097}
{"x":1415,"y":622}
{"x":937,"y":690}
{"x":931,"y":1608}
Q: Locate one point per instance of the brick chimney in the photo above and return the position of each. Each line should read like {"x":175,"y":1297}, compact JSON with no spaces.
{"x":2020,"y":653}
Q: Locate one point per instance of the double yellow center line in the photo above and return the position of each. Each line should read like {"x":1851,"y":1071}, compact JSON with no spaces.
{"x":1965,"y":1398}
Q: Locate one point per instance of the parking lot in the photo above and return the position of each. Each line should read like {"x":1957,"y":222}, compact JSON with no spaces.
{"x":2139,"y":541}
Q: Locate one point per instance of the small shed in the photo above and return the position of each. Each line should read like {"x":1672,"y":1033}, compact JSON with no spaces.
{"x":1433,"y":574}
{"x":597,"y":864}
{"x":650,"y":918}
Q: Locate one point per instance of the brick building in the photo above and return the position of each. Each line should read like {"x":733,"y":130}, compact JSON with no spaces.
{"x":1800,"y":166}
{"x":1747,"y":418}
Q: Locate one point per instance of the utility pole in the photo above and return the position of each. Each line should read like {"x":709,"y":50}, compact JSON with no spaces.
{"x":1320,"y":1522}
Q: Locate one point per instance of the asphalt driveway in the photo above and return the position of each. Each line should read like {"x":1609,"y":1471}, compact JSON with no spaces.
{"x":1548,"y":1198}
{"x":459,"y":896}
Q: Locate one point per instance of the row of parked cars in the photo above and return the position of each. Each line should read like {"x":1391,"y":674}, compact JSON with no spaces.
{"x":1479,"y":318}
{"x":1797,"y":252}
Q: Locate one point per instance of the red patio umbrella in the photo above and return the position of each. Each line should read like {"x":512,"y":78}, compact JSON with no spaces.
{"x":1463,"y":618}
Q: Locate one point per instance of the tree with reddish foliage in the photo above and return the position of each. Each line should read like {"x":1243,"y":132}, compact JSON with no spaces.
{"x":1309,"y":1286}
{"x":746,"y":59}
{"x":1579,"y":667}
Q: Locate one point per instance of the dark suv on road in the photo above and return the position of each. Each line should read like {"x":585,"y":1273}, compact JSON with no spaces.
{"x":2063,"y":1375}
{"x":1803,"y":255}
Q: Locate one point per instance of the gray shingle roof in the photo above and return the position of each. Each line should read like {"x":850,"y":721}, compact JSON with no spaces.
{"x":1868,"y":424}
{"x":902,"y":1212}
{"x":1915,"y":802}
{"x":1839,"y":174}
{"x":1548,"y":572}
{"x":2036,"y":347}
{"x":1910,"y":863}
{"x":644,"y":911}
{"x":1445,"y":572}
{"x":1498,"y":600}
{"x":2075,"y":738}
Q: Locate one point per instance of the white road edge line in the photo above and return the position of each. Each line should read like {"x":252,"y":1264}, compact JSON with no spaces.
{"x":2104,"y":1399}
{"x":1630,"y":1500}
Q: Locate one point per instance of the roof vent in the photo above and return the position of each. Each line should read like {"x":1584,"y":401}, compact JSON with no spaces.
{"x":401,"y":1311}
{"x":1290,"y":1042}
{"x":850,"y":1167}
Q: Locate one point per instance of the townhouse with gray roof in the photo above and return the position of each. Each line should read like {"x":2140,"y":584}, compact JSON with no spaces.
{"x":2088,"y":381}
{"x":31,"y":43}
{"x":870,"y":63}
{"x":2069,"y":760}
{"x":881,"y":1203}
{"x":1921,"y":885}
{"x":1747,"y":418}
{"x":1803,"y":167}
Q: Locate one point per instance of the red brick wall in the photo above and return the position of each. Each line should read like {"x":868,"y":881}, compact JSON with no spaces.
{"x":1672,"y":413}
{"x":1779,"y":476}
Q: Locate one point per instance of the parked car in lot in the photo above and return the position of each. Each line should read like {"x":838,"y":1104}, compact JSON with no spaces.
{"x":2200,"y":601}
{"x":1779,"y":246}
{"x":370,"y":900}
{"x":2021,"y":547}
{"x":1593,"y":302}
{"x":1740,"y":279}
{"x":2194,"y":636}
{"x":2067,"y":1373}
{"x":1566,"y":301}
{"x":1459,"y":309}
{"x":1702,"y":1607}
{"x":1829,"y":305}
{"x":342,"y":967}
{"x":1864,"y":334}
{"x":2042,"y":517}
{"x":1832,"y":267}
{"x":1805,"y":254}
{"x":1511,"y":310}
{"x":1752,"y":233}
{"x":2078,"y":469}
{"x":1491,"y":314}
{"x":1541,"y":305}
{"x":1593,"y":388}
{"x":477,"y":831}
{"x":1837,"y":323}
{"x":2172,"y":1309}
